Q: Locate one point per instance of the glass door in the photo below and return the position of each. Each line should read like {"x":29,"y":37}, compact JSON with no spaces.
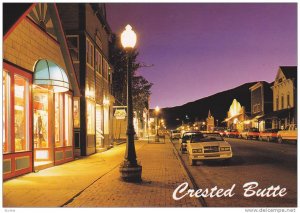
{"x":43,"y":148}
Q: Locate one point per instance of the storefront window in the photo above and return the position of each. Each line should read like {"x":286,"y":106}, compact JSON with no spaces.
{"x":40,"y":118}
{"x":6,"y":112}
{"x":58,"y":119}
{"x":90,"y":117}
{"x":68,"y":120}
{"x":21,"y":90}
{"x":76,"y":113}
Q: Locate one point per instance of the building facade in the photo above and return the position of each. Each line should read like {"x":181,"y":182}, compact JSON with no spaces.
{"x":284,"y":97}
{"x":236,"y":117}
{"x":261,"y":104}
{"x":210,"y":122}
{"x":39,"y":84}
{"x":88,"y":35}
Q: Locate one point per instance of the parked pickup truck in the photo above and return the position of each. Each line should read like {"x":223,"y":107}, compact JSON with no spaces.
{"x":288,"y":134}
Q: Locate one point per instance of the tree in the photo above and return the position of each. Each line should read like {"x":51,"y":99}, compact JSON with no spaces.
{"x":141,"y":88}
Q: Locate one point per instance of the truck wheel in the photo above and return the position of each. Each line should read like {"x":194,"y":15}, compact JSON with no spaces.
{"x":280,"y":140}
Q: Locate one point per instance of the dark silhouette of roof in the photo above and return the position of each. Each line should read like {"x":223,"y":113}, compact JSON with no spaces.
{"x":11,"y":13}
{"x":289,"y":71}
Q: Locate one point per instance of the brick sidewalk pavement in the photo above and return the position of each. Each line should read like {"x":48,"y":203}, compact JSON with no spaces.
{"x":96,"y":179}
{"x":162,"y":173}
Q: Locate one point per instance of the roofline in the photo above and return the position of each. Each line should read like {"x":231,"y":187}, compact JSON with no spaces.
{"x":18,"y":21}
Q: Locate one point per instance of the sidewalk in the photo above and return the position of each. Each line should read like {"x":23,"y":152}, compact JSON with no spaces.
{"x":95,"y":181}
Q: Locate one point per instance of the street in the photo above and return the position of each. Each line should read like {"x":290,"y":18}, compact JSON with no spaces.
{"x":253,"y":161}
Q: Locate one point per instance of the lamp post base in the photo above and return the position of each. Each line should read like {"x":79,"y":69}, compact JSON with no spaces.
{"x":131,"y":172}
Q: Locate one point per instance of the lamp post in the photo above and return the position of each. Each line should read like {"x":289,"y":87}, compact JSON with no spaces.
{"x":129,"y":169}
{"x":156,"y":113}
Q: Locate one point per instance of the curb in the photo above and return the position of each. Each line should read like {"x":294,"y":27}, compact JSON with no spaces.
{"x":192,"y":183}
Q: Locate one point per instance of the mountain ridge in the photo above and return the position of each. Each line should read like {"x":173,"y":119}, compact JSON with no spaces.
{"x":218,"y":104}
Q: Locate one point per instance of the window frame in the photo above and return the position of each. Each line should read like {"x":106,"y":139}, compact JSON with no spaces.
{"x":12,"y":70}
{"x":78,"y":49}
{"x":98,"y":61}
{"x":89,"y":47}
{"x":90,"y":123}
{"x":6,"y":112}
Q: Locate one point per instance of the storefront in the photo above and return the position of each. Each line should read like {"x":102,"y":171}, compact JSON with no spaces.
{"x":37,"y":118}
{"x":17,"y":121}
{"x":236,"y":117}
{"x":38,"y":87}
{"x":52,"y":115}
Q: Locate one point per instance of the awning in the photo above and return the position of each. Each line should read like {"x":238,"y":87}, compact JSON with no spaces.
{"x":47,"y":73}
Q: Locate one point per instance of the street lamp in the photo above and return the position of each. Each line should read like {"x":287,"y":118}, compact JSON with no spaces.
{"x":129,"y":169}
{"x":156,"y":113}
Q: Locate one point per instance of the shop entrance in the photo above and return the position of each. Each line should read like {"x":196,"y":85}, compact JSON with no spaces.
{"x":42,"y":110}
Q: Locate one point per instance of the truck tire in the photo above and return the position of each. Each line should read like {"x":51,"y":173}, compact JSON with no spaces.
{"x":280,"y":140}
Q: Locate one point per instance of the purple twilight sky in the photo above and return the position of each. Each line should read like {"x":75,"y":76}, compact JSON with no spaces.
{"x":200,"y":49}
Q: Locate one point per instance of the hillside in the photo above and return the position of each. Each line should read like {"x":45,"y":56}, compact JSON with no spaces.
{"x":218,"y":104}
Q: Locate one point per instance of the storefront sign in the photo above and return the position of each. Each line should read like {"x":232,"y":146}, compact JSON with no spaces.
{"x":120,"y":114}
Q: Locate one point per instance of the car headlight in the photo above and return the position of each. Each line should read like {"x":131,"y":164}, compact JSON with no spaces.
{"x":197,"y":150}
{"x":225,"y":149}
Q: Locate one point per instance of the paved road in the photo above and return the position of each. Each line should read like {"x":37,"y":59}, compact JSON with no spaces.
{"x":262,"y":162}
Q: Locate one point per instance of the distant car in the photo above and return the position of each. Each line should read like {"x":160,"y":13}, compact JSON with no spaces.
{"x":289,"y":134}
{"x":220,"y":130}
{"x":232,"y":133}
{"x":251,"y":133}
{"x":183,"y":140}
{"x":208,"y":146}
{"x":268,"y":135}
{"x":175,"y":134}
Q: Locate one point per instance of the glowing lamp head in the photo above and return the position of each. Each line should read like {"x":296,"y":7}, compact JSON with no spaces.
{"x":128,"y":37}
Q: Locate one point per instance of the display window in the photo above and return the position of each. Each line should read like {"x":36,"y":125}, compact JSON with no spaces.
{"x":76,"y":112}
{"x":21,"y":113}
{"x":90,"y":117}
{"x":68,"y":120}
{"x":6,"y":112}
{"x":58,"y":100}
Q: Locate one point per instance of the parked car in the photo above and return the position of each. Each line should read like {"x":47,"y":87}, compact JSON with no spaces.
{"x":251,"y":133}
{"x":183,"y":140}
{"x":175,"y":134}
{"x":268,"y":135}
{"x":208,"y":146}
{"x":232,"y":133}
{"x":220,"y":130}
{"x":288,"y":134}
